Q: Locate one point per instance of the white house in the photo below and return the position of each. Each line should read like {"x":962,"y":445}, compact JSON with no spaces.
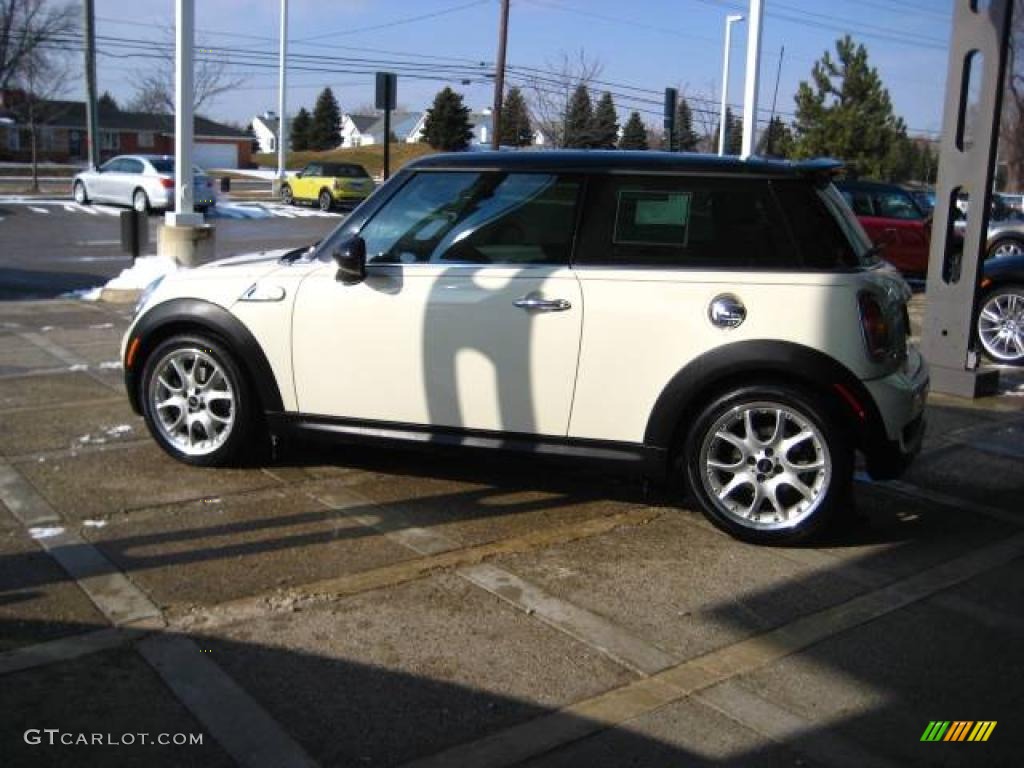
{"x":362,"y":130}
{"x":355,"y":130}
{"x":265,"y":128}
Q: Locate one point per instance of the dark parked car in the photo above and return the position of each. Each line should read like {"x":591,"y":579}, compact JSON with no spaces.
{"x":1000,"y":323}
{"x":894,"y":220}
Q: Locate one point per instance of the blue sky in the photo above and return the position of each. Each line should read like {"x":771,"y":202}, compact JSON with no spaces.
{"x":643,"y":45}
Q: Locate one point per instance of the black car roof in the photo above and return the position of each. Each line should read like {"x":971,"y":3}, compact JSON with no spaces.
{"x":602,"y":161}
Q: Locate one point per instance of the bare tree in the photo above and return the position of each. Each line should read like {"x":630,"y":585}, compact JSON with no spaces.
{"x":551,"y":90}
{"x":42,"y":79}
{"x":154,"y":92}
{"x":1011,"y":131}
{"x":31,"y":29}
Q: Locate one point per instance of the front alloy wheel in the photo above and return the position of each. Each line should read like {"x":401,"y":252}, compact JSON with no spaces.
{"x":196,"y":401}
{"x":140,"y":202}
{"x":767,"y":464}
{"x":286,"y":195}
{"x":81,"y":196}
{"x":325,"y":201}
{"x":1001,"y":325}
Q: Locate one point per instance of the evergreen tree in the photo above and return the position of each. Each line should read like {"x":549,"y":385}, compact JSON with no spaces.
{"x":579,"y":117}
{"x":604,"y":130}
{"x":516,"y":130}
{"x":301,"y":126}
{"x":325,"y":128}
{"x":108,"y":102}
{"x":446,"y":126}
{"x":777,"y":140}
{"x":846,"y":113}
{"x":686,"y":137}
{"x":733,"y":133}
{"x":634,"y":134}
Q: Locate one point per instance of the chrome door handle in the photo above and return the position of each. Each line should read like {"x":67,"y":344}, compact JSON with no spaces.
{"x":543,"y":305}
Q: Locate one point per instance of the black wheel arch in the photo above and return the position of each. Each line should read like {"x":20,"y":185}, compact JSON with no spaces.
{"x":745,"y":362}
{"x":204,"y":317}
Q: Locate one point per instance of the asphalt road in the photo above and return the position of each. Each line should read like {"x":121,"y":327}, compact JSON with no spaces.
{"x":49,"y":247}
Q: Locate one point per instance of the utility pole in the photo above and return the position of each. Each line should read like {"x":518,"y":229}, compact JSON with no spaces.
{"x":282,"y":123}
{"x":722,"y":127}
{"x":753,"y":70}
{"x":91,"y":118}
{"x":499,"y":77}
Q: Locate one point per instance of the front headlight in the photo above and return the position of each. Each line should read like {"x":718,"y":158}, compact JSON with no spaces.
{"x":147,"y":293}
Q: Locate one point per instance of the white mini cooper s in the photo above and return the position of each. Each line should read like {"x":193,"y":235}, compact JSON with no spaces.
{"x":727,"y":321}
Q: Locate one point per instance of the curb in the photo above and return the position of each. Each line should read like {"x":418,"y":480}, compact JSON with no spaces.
{"x":120,"y":295}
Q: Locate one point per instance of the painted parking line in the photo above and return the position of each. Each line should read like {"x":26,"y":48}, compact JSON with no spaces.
{"x":36,"y":209}
{"x":585,"y":718}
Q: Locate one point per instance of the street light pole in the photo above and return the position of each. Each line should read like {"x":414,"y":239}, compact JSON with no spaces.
{"x":91,"y":120}
{"x":282,"y":126}
{"x":729,"y":21}
{"x":184,"y":214}
{"x":499,"y":77}
{"x":753,"y":70}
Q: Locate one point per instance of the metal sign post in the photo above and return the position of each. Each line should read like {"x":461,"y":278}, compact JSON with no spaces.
{"x":387,"y":97}
{"x":671,"y":105}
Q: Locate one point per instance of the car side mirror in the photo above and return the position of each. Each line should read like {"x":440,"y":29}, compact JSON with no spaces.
{"x":298,"y":174}
{"x":351,"y":259}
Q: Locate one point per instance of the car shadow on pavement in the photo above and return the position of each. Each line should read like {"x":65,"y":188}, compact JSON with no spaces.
{"x":23,"y":284}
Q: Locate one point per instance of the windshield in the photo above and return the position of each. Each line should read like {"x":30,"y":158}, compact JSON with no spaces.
{"x":859,"y":240}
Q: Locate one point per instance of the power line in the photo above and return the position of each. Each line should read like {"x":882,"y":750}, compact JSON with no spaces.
{"x":396,"y":22}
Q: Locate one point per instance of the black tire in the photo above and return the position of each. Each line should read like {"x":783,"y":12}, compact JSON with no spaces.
{"x":999,"y":327}
{"x":325,"y":201}
{"x":286,"y":195}
{"x":80,"y":193}
{"x":247,"y":438}
{"x":1012,"y":245}
{"x":785,"y":515}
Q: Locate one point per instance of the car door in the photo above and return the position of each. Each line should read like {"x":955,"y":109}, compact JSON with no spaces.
{"x":307,"y":185}
{"x":103,"y":183}
{"x":469,"y":317}
{"x":903,"y":230}
{"x":129,"y":178}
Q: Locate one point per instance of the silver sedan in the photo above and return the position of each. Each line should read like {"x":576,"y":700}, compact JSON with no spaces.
{"x":145,"y":182}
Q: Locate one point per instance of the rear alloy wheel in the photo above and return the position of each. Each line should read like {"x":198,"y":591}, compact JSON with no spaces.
{"x":80,"y":194}
{"x":196,"y":402}
{"x":768,"y":465}
{"x":1008,"y":246}
{"x":325,"y":200}
{"x":286,"y":195}
{"x":140,"y":202}
{"x":1001,"y":324}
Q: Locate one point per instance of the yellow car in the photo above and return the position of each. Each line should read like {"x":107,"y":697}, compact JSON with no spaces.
{"x":328,"y":183}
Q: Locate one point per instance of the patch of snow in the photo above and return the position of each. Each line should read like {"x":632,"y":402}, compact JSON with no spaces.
{"x":84,"y":294}
{"x":109,"y":365}
{"x":94,"y":523}
{"x":45,"y":532}
{"x":79,"y":367}
{"x":120,"y":429}
{"x":100,"y":326}
{"x":46,"y":328}
{"x":144,"y":271}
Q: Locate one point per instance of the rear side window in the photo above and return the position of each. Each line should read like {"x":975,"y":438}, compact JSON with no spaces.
{"x":666,"y":221}
{"x":345,"y":171}
{"x":476,"y":217}
{"x":817,"y":227}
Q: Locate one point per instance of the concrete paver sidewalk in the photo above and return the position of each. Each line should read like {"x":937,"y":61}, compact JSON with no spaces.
{"x":367,"y":607}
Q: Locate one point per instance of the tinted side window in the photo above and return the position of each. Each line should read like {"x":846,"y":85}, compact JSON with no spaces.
{"x":821,"y":242}
{"x":312,"y":170}
{"x":896,"y":205}
{"x":476,"y":218}
{"x":665,"y":221}
{"x":131,"y":166}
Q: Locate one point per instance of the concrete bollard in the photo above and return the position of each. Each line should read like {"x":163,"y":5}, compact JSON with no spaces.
{"x":188,"y":246}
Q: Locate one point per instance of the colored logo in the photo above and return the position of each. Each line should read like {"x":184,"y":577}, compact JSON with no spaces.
{"x":958,"y":730}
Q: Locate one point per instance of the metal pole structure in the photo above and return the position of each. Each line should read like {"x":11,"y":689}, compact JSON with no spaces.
{"x":184,"y":214}
{"x":722,"y":127}
{"x":753,"y":70}
{"x":282,"y":122}
{"x":91,"y":118}
{"x":499,"y":77}
{"x":977,"y":52}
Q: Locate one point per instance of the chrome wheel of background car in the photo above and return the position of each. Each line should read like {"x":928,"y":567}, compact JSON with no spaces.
{"x":1001,"y":325}
{"x":139,"y":201}
{"x":286,"y":195}
{"x":1007,"y":248}
{"x":80,"y":196}
{"x":325,"y":201}
{"x":765,"y":465}
{"x":192,"y":401}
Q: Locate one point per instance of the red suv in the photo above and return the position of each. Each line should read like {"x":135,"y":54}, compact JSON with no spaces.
{"x":893,"y":220}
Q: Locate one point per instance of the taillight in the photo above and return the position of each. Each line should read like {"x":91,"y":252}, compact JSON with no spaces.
{"x":167,"y":183}
{"x":873,"y":323}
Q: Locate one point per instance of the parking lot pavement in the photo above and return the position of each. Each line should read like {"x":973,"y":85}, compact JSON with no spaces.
{"x":344,"y":606}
